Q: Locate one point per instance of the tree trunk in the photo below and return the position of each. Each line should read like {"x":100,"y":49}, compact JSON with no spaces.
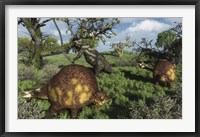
{"x":38,"y":59}
{"x":36,"y":35}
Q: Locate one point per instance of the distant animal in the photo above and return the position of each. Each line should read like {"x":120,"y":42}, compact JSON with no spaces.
{"x":73,"y":87}
{"x":163,"y":72}
{"x":94,"y":58}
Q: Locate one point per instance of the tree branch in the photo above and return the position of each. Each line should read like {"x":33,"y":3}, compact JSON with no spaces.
{"x":45,"y":21}
{"x":20,"y":21}
{"x":50,"y":53}
{"x":61,"y":39}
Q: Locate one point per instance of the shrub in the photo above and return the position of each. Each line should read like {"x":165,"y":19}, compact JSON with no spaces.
{"x":26,"y":73}
{"x":28,"y":109}
{"x":47,"y":73}
{"x":64,"y":114}
{"x":92,"y":113}
{"x":26,"y":85}
{"x":167,"y":107}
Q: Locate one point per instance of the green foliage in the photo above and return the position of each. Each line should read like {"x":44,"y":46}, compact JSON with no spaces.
{"x":26,"y":85}
{"x":67,"y":47}
{"x":165,"y":38}
{"x":119,"y":47}
{"x":23,"y":44}
{"x":25,"y":49}
{"x":29,"y":109}
{"x":60,"y":60}
{"x":64,"y":114}
{"x":131,"y":91}
{"x":88,"y":41}
{"x":90,"y":30}
{"x":168,"y":46}
{"x":43,"y":104}
{"x":92,"y":113}
{"x":26,"y":73}
{"x":47,"y":73}
{"x":158,"y":108}
{"x":50,"y":42}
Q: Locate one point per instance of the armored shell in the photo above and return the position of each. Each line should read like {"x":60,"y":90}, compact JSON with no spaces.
{"x":72,"y":87}
{"x":164,"y":72}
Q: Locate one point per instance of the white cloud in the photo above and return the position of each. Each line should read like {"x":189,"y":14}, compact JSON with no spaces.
{"x":173,"y":20}
{"x":147,"y":26}
{"x":129,"y":20}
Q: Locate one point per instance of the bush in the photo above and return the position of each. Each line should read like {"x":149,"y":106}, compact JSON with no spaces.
{"x":29,"y":109}
{"x":47,"y":73}
{"x":26,"y":73}
{"x":26,"y":85}
{"x":167,"y":107}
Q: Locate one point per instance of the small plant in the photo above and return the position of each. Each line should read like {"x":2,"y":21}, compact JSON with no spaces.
{"x":29,"y":109}
{"x":26,"y":73}
{"x":167,"y":107}
{"x":47,"y":73}
{"x":26,"y":85}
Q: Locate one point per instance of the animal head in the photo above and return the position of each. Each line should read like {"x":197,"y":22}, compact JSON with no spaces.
{"x":143,"y":65}
{"x":100,"y":98}
{"x":30,"y":94}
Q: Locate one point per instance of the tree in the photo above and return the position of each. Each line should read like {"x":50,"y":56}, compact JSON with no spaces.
{"x":43,"y":45}
{"x":50,"y":42}
{"x":119,"y":47}
{"x":164,"y":39}
{"x":33,"y":25}
{"x":86,"y":33}
{"x":148,"y":54}
{"x":168,"y":46}
{"x":24,"y":43}
{"x":89,"y":31}
{"x":25,"y":49}
{"x":171,"y":43}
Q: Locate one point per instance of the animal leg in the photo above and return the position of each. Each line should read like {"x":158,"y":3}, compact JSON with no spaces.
{"x":98,"y":68}
{"x":169,"y":84}
{"x":98,"y":65}
{"x":54,"y":109}
{"x":74,"y":112}
{"x":97,"y":71}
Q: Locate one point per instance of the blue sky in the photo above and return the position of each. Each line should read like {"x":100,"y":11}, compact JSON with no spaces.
{"x":136,"y":28}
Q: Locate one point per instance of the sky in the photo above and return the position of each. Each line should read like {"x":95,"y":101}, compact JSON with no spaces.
{"x":136,"y":28}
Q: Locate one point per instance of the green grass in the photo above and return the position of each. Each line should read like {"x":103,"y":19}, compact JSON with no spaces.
{"x":127,"y":87}
{"x":60,"y":60}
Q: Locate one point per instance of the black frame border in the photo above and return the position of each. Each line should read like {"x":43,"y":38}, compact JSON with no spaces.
{"x":3,"y":4}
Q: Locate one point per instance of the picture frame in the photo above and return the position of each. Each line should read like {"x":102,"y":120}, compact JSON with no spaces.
{"x":4,"y":3}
